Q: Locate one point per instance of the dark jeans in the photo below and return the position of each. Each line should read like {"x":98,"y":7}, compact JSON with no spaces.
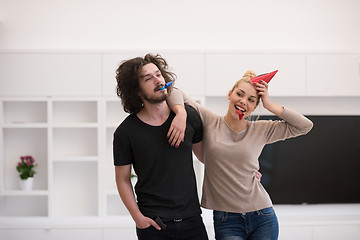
{"x":258,"y":225}
{"x":191,"y":228}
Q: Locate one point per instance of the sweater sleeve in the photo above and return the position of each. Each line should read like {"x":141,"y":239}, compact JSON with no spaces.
{"x":175,"y":97}
{"x":293,"y":124}
{"x":179,"y":97}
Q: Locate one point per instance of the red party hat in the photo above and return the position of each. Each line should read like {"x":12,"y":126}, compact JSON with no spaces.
{"x":265,"y":77}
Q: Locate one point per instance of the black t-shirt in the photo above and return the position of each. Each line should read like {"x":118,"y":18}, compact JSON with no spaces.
{"x":166,"y":184}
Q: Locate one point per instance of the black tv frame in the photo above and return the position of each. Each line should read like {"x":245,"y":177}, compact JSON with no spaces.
{"x":321,"y":167}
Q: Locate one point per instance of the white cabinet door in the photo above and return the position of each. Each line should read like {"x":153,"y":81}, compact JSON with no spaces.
{"x":50,"y":74}
{"x":120,"y":233}
{"x":50,"y":234}
{"x":189,"y":69}
{"x":333,"y":75}
{"x":110,"y":63}
{"x":223,"y":70}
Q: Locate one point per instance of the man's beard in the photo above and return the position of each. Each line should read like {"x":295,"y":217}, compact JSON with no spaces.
{"x":154,"y":100}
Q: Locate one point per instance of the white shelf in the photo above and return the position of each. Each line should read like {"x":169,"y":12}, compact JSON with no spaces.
{"x":24,"y":112}
{"x":76,"y":159}
{"x":23,"y":205}
{"x":25,"y":125}
{"x":80,"y":142}
{"x":65,"y":112}
{"x":25,"y":193}
{"x":75,"y":190}
{"x":108,"y":163}
{"x":75,"y":125}
{"x":20,"y":142}
{"x":63,"y":135}
{"x":115,"y":206}
{"x":115,"y":113}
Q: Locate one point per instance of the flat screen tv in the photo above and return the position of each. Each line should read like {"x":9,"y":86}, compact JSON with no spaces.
{"x":320,"y":167}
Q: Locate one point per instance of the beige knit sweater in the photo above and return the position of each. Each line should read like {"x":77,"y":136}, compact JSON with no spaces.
{"x":231,"y":158}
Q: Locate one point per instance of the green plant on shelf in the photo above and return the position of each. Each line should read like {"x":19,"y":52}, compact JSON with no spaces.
{"x":26,"y":167}
{"x":133,"y":174}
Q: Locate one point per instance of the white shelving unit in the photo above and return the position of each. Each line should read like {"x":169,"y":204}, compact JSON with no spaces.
{"x":114,"y":114}
{"x":24,"y":130}
{"x":71,"y":141}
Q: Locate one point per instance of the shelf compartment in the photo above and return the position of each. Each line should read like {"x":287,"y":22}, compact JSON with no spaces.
{"x":115,"y":113}
{"x":75,"y":142}
{"x":25,"y":125}
{"x":115,"y":207}
{"x":76,"y":159}
{"x":75,"y":189}
{"x":109,"y":168}
{"x":21,"y":142}
{"x":74,"y":112}
{"x":24,"y":206}
{"x":24,"y":112}
{"x":26,"y":193}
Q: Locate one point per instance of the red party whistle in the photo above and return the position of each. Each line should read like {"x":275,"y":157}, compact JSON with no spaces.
{"x":265,"y":77}
{"x":241,"y":114}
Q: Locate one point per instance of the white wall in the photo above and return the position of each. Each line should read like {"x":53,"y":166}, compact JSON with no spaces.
{"x":259,"y":25}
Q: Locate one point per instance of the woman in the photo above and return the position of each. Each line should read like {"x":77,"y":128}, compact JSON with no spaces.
{"x":230,"y":151}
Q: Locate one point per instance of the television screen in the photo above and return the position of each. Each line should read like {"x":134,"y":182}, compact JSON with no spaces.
{"x":320,"y":167}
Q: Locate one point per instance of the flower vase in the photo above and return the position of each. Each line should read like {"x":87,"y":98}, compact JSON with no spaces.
{"x":27,"y":184}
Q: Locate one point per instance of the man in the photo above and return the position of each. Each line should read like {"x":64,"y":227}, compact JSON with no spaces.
{"x":167,"y":205}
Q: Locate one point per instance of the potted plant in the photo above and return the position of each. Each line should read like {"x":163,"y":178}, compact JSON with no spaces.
{"x":26,"y":169}
{"x":133,"y":177}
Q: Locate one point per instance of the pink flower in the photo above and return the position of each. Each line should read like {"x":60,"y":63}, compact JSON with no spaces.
{"x":25,"y":167}
{"x":28,"y":160}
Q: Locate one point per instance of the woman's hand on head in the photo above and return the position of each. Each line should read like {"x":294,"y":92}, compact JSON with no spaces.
{"x":263,"y":91}
{"x":262,"y":88}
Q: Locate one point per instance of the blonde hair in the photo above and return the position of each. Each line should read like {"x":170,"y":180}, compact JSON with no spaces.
{"x":248,"y":75}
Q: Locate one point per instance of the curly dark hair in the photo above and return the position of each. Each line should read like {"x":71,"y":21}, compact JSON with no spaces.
{"x":127,"y":77}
